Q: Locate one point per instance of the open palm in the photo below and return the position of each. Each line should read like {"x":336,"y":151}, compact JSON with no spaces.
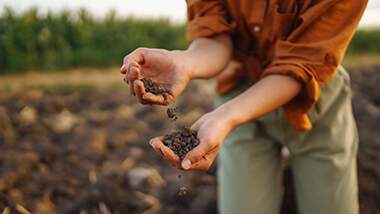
{"x":162,"y":66}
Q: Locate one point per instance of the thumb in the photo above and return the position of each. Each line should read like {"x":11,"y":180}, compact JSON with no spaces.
{"x":196,"y":154}
{"x":198,"y":123}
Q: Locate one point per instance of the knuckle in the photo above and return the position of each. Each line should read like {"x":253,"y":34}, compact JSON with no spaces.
{"x":132,"y":73}
{"x":133,"y":67}
{"x":141,"y":50}
{"x":125,"y":59}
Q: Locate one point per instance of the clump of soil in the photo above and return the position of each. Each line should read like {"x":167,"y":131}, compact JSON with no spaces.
{"x":181,"y":141}
{"x":155,"y":88}
{"x":183,"y":191}
{"x":172,"y":113}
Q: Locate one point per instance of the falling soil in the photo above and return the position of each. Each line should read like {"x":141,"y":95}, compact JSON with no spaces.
{"x":172,"y":113}
{"x":183,"y":191}
{"x":155,"y":88}
{"x":181,"y":141}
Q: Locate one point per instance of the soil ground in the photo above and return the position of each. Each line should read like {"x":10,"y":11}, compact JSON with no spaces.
{"x":75,"y":141}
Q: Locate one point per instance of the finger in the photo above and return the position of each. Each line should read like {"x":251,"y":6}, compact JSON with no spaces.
{"x":205,"y":163}
{"x":196,"y":154}
{"x":154,"y":142}
{"x":126,"y":64}
{"x":152,"y":98}
{"x":134,"y":73}
{"x":166,"y":153}
{"x":197,"y":124}
{"x":139,"y":90}
{"x":131,"y":89}
{"x":130,"y":86}
{"x":137,"y":57}
{"x":123,"y":69}
{"x":158,"y":99}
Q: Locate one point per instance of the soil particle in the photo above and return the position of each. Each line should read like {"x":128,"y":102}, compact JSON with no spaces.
{"x":181,"y":141}
{"x":183,"y":191}
{"x":172,"y":113}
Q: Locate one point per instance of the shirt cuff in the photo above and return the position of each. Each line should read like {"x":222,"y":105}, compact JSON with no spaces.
{"x":296,"y":110}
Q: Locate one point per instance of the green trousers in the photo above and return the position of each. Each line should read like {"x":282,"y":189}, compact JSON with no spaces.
{"x":323,"y":160}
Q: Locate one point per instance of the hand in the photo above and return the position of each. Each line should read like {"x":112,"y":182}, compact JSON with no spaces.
{"x":168,"y":68}
{"x":212,"y":129}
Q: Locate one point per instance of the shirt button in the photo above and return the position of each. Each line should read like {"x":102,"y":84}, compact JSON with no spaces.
{"x":256,"y":29}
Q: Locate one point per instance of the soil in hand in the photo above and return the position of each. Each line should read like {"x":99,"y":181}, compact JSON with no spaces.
{"x":172,"y":113}
{"x":181,"y":141}
{"x":155,"y":88}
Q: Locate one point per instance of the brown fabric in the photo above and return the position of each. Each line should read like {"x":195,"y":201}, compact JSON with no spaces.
{"x":305,"y":39}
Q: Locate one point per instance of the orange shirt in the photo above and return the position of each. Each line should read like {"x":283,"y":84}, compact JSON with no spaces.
{"x":305,"y":39}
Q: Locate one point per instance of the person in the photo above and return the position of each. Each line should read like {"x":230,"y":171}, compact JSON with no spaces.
{"x":284,"y":88}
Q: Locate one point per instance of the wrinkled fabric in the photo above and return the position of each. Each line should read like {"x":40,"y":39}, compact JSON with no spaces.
{"x":323,"y":160}
{"x":304,"y":39}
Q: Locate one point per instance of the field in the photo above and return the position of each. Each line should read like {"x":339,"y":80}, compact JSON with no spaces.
{"x":77,"y":142}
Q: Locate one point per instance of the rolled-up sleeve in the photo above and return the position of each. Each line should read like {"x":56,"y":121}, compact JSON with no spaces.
{"x":206,"y":18}
{"x":313,"y":50}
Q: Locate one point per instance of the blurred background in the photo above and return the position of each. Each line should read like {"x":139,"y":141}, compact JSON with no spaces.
{"x":72,"y":139}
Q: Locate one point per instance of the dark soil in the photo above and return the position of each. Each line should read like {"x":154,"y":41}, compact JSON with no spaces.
{"x":183,"y":191}
{"x":366,"y":103}
{"x":155,"y":88}
{"x":181,"y":141}
{"x":67,"y":150}
{"x":172,"y":113}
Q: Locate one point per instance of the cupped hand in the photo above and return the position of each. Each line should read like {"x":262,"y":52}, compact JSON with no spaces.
{"x":167,"y":68}
{"x":212,"y":129}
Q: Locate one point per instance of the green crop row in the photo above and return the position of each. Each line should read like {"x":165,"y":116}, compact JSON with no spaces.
{"x":68,"y":39}
{"x":65,"y":40}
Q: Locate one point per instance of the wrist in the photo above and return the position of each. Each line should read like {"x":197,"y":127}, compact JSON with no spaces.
{"x":184,"y":62}
{"x":229,"y":115}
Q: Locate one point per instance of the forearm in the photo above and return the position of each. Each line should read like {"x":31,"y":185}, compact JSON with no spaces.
{"x":263,"y":97}
{"x":206,"y":57}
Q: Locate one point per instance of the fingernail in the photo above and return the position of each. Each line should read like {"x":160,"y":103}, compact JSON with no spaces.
{"x":186,"y":164}
{"x":151,"y":144}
